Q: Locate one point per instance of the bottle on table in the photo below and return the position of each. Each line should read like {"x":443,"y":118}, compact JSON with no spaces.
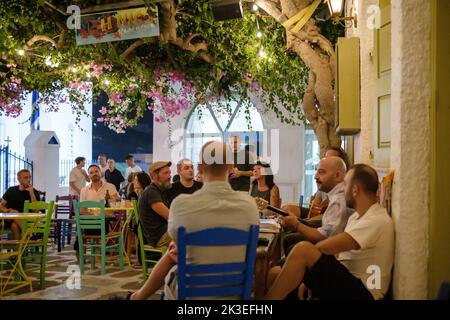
{"x":107,"y":199}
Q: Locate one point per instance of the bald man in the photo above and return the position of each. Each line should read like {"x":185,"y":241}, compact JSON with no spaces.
{"x":329,"y":179}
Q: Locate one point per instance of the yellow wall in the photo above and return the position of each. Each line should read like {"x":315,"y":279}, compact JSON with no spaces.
{"x":439,"y":263}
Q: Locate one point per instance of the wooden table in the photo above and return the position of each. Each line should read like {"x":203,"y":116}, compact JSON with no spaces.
{"x":266,"y":256}
{"x":14,"y":258}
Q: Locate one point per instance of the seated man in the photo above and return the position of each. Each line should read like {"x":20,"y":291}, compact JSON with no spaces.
{"x":329,"y":177}
{"x":365,"y":250}
{"x":215,"y":205}
{"x":96,"y":191}
{"x":153,"y":205}
{"x":186,"y":183}
{"x":14,"y":200}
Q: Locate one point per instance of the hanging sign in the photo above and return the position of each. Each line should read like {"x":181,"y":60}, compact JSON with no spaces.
{"x":118,"y":25}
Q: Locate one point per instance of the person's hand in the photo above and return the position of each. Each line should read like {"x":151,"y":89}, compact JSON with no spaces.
{"x":301,"y":292}
{"x":29,"y":188}
{"x":290,"y":222}
{"x":236,"y":173}
{"x":173,"y":252}
{"x":12,"y":211}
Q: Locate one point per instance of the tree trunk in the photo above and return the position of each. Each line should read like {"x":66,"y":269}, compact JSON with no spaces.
{"x":318,"y":104}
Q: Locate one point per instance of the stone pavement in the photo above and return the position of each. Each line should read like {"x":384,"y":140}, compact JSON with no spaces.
{"x":92,"y":286}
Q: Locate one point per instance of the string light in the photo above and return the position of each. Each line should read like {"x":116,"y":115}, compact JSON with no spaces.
{"x":259,"y":34}
{"x":262,"y":53}
{"x":255,"y":7}
{"x":21,"y":52}
{"x":88,"y":75}
{"x":48,"y":61}
{"x":73,"y":69}
{"x":106,"y":81}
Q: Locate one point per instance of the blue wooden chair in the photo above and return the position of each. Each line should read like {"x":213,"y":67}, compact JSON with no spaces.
{"x":217,"y":280}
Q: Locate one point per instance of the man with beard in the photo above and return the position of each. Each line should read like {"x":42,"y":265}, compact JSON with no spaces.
{"x":365,"y":250}
{"x":186,"y":184}
{"x":153,"y":205}
{"x":329,"y":178}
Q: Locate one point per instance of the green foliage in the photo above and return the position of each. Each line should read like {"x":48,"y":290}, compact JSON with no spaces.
{"x":243,"y":63}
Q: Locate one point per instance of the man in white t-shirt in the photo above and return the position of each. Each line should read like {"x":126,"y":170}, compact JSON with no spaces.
{"x":132,"y":167}
{"x":78,"y":177}
{"x":365,"y":250}
{"x":215,"y":205}
{"x":103,"y":165}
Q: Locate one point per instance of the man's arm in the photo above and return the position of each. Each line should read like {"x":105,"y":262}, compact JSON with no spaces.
{"x":339,"y":243}
{"x":161,"y":209}
{"x":311,"y":234}
{"x":86,"y":176}
{"x":4,"y":206}
{"x":74,"y":187}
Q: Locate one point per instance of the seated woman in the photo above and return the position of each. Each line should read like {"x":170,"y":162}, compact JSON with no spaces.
{"x":263,"y":186}
{"x":140,"y":182}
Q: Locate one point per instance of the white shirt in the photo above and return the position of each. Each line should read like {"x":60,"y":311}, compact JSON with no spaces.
{"x":130,"y":170}
{"x":336,"y":215}
{"x":90,"y":194}
{"x":216,"y":204}
{"x":374,"y":232}
{"x":78,"y":178}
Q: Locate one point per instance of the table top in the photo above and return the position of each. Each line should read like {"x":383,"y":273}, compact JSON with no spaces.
{"x":20,"y":215}
{"x":118,"y":208}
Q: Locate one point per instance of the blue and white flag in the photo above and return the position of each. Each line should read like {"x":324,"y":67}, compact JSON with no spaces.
{"x":34,"y":121}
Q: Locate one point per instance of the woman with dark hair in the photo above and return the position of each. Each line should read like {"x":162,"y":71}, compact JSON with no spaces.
{"x":263,"y":186}
{"x":140,"y":182}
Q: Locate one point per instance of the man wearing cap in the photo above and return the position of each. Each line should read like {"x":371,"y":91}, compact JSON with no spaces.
{"x":153,"y":205}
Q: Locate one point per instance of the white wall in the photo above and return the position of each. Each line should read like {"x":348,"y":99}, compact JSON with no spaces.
{"x":410,"y":151}
{"x":291,"y":144}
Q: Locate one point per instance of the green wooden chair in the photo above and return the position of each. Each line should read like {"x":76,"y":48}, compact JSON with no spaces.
{"x":149,"y":255}
{"x":37,"y":246}
{"x":100,"y":244}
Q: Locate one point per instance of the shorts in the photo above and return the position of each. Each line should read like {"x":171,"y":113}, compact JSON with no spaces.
{"x":329,"y":279}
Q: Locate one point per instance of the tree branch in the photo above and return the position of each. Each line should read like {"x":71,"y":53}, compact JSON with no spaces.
{"x":36,"y":38}
{"x":131,"y":48}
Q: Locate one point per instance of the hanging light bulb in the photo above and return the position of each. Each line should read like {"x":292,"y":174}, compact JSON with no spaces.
{"x":259,"y":34}
{"x":48,"y":61}
{"x":73,"y":69}
{"x":21,"y":52}
{"x":262,"y":53}
{"x":106,"y":81}
{"x":255,"y":7}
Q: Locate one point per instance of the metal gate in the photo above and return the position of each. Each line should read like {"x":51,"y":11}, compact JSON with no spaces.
{"x":10,"y":164}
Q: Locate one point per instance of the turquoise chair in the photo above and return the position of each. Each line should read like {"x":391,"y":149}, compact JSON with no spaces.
{"x":98,"y":245}
{"x":149,"y":255}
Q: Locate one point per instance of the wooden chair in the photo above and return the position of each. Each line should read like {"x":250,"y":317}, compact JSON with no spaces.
{"x":217,"y":280}
{"x":149,"y":255}
{"x":104,"y":242}
{"x":63,"y":221}
{"x":37,"y":246}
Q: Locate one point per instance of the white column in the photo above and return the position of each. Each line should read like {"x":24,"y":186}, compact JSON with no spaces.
{"x":42,"y":147}
{"x":410,"y":145}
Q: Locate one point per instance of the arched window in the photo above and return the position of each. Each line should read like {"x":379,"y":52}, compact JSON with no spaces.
{"x":215,"y":122}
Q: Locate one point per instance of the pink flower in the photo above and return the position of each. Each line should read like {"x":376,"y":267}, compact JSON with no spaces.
{"x":103,"y":111}
{"x":101,"y":119}
{"x":15,"y":80}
